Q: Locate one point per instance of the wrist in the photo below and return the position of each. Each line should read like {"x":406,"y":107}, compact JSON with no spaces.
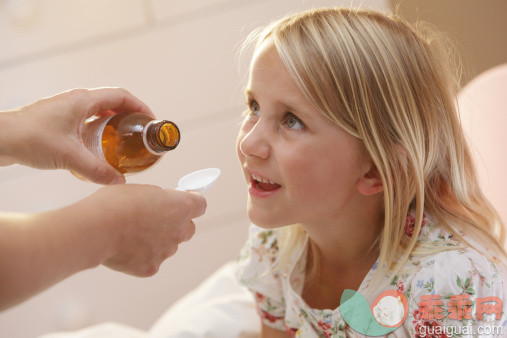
{"x":85,"y":234}
{"x":10,"y":138}
{"x":96,"y":230}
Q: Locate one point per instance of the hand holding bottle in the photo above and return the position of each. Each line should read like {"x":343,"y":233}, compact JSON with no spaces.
{"x":47,"y":134}
{"x":130,"y":142}
{"x":130,"y":228}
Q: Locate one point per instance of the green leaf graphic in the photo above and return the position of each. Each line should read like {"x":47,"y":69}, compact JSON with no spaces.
{"x":357,"y":314}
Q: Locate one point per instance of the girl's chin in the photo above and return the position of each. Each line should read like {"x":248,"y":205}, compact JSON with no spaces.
{"x":265,"y":221}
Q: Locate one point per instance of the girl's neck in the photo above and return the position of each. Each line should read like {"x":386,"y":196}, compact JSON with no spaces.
{"x":324,"y":285}
{"x":346,"y":243}
{"x":343,"y":249}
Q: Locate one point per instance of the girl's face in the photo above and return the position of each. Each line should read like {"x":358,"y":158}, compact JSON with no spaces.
{"x":299,"y":166}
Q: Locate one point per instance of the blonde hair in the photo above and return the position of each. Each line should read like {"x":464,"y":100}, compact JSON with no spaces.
{"x":394,"y":87}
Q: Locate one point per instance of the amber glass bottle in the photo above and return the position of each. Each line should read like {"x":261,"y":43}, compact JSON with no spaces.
{"x":130,"y":142}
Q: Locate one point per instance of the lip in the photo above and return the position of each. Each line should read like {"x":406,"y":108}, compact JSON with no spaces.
{"x":256,"y":192}
{"x":258,"y":174}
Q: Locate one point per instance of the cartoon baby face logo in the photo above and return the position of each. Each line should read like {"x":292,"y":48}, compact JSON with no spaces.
{"x":386,"y":313}
{"x":390,"y":308}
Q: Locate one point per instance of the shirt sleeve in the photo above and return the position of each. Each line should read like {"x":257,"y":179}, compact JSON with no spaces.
{"x":458,"y":292}
{"x":255,"y":271}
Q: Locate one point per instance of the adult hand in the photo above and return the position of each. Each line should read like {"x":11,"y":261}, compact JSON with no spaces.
{"x":146,"y":223}
{"x":47,"y":134}
{"x":130,"y":228}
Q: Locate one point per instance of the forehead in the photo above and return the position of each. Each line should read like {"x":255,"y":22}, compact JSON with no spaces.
{"x":270,"y":81}
{"x":267,"y":60}
{"x":269,"y":75}
{"x":266,"y":51}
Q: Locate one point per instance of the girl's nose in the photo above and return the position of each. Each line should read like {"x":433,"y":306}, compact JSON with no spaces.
{"x":254,"y":143}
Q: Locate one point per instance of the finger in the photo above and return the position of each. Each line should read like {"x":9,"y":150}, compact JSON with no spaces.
{"x":197,"y":205}
{"x":118,"y":100}
{"x":107,"y":113}
{"x":188,"y":232}
{"x":94,"y":169}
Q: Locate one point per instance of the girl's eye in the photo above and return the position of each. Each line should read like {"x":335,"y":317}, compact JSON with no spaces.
{"x":293,"y":122}
{"x":254,"y":108}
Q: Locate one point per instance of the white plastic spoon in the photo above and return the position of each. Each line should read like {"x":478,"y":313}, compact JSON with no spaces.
{"x":199,"y":181}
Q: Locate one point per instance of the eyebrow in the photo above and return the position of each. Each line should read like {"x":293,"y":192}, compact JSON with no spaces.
{"x":250,"y":94}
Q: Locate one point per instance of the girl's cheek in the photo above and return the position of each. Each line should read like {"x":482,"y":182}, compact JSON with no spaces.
{"x":296,"y":170}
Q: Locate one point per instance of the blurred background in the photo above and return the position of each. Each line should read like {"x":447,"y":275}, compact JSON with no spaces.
{"x":180,"y":57}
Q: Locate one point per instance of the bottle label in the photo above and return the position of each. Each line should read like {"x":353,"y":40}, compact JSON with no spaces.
{"x":92,"y":135}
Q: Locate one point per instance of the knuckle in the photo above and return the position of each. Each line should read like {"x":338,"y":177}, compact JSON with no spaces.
{"x":85,"y":99}
{"x":190,"y":232}
{"x":180,"y":236}
{"x":79,"y":95}
{"x":171,"y":251}
{"x":124,"y":91}
{"x":156,"y":189}
{"x":202,"y":203}
{"x":174,"y":250}
{"x":186,"y":232}
{"x":150,"y":270}
{"x":195,"y":203}
{"x":187,"y":204}
{"x":78,"y":92}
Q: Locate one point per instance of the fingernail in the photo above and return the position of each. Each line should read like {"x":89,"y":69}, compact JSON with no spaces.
{"x":118,"y":180}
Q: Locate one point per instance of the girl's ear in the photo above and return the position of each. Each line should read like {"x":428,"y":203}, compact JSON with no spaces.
{"x":370,"y":183}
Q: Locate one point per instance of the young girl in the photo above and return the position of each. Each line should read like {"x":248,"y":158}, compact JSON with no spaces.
{"x":360,"y":178}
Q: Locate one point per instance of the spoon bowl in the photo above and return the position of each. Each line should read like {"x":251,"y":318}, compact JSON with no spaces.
{"x":199,"y":181}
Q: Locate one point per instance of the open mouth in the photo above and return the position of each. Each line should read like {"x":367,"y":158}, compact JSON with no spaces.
{"x":264,"y":184}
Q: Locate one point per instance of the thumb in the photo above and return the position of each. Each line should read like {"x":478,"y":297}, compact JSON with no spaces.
{"x":197,"y":205}
{"x":94,"y":169}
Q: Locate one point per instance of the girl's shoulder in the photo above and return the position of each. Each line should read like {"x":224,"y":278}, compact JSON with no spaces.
{"x":452,"y":289}
{"x":460,"y":280}
{"x":441,"y":244}
{"x":461,"y":270}
{"x":455,"y":259}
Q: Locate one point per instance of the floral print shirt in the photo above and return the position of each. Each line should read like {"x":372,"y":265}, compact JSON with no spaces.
{"x":445,"y":277}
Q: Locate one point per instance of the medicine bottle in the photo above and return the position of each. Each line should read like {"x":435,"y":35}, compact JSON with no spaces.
{"x":130,"y":142}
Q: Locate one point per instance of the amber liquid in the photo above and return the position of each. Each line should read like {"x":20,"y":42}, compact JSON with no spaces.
{"x":123,"y":146}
